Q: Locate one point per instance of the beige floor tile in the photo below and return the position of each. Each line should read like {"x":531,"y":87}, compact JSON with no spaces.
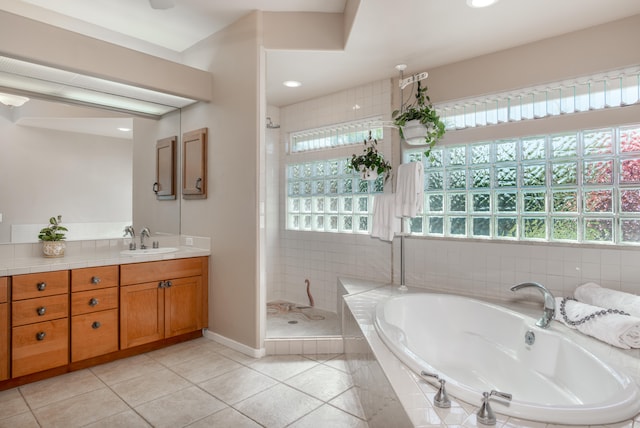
{"x":277,"y":406}
{"x":322,"y":382}
{"x":238,"y":356}
{"x":80,"y":410}
{"x":205,"y":366}
{"x":128,"y":419}
{"x":339,"y":363}
{"x":180,"y":408}
{"x":237,"y":385}
{"x":44,"y":392}
{"x":185,"y":351}
{"x":283,"y":367}
{"x":127,"y":368}
{"x":12,"y":403}
{"x":349,"y":402}
{"x":145,"y":388}
{"x":328,"y":416}
{"x":225,"y":418}
{"x":23,"y":420}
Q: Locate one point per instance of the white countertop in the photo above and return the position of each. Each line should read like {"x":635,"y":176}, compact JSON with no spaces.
{"x":26,"y":258}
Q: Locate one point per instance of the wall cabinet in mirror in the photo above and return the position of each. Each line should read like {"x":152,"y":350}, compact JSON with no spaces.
{"x":165,"y":185}
{"x":194,"y":164}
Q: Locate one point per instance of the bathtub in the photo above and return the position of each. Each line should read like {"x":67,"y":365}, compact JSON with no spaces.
{"x":478,"y":346}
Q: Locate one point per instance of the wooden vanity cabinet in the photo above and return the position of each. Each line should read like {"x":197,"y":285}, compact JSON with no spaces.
{"x":4,"y":328}
{"x":94,"y":312}
{"x":162,"y":299}
{"x":39,"y":322}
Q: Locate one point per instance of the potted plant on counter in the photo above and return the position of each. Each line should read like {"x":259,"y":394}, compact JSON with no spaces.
{"x":52,"y":237}
{"x":370,"y":164}
{"x":419,"y":123}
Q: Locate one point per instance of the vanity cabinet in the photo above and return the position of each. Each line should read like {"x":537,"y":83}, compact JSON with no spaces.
{"x":4,"y":328}
{"x":39,"y":321}
{"x":162,"y":299}
{"x":94,"y":312}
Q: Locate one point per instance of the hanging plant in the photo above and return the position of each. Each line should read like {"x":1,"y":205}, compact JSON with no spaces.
{"x":371,"y":163}
{"x":420,"y":113}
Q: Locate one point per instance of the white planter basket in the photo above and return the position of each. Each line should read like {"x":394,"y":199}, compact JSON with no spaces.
{"x":368,"y":174}
{"x":53,"y":248}
{"x":414,"y":133}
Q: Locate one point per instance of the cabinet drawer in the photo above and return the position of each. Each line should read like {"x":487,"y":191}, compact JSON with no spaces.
{"x":40,"y":309}
{"x":94,"y":300}
{"x":94,"y":278}
{"x":40,"y":284}
{"x":137,"y":273}
{"x":39,"y":346}
{"x":94,"y":334}
{"x":4,"y":290}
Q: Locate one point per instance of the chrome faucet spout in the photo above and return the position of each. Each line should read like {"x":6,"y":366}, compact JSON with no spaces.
{"x":549,"y":302}
{"x":128,"y":231}
{"x":144,"y":232}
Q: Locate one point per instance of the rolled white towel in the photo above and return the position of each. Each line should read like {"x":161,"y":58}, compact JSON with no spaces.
{"x":615,"y":329}
{"x":593,"y":294}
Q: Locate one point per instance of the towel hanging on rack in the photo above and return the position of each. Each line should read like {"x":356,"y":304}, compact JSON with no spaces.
{"x":385,"y":223}
{"x":409,"y":189}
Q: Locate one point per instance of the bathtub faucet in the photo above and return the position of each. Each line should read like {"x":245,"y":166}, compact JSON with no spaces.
{"x":549,"y":302}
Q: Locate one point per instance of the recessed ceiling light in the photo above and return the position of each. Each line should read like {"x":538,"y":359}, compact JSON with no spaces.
{"x":481,"y":3}
{"x":291,"y":83}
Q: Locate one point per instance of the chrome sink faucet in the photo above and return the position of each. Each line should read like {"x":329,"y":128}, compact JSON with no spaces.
{"x":144,"y":232}
{"x":128,"y":231}
{"x":549,"y":302}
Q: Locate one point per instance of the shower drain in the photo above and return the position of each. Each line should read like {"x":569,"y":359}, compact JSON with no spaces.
{"x":293,"y":322}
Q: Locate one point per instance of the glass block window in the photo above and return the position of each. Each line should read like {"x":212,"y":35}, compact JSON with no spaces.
{"x":343,"y":134}
{"x":575,"y":187}
{"x":324,"y":196}
{"x":617,"y":88}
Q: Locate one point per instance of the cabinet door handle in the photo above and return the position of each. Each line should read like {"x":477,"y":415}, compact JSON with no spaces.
{"x":199,"y":184}
{"x":40,"y":335}
{"x":156,"y":187}
{"x":41,"y":286}
{"x":93,"y":301}
{"x":161,"y":284}
{"x":95,"y":325}
{"x":41,"y":311}
{"x":95,"y":280}
{"x":169,"y":284}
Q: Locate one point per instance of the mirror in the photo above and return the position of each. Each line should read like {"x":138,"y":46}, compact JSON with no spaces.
{"x":69,"y":160}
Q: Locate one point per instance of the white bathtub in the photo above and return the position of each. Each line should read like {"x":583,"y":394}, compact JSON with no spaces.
{"x":477,"y":346}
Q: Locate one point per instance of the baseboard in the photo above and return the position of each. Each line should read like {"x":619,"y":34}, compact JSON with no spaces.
{"x":236,"y":346}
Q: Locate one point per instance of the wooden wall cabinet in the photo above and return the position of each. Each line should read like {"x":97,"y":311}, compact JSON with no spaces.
{"x":165,"y":185}
{"x":162,"y":299}
{"x":194,"y":164}
{"x":4,"y":328}
{"x":39,"y":322}
{"x":94,"y":312}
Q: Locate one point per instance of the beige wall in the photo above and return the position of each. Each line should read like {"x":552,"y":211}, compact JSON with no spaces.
{"x":230,"y":214}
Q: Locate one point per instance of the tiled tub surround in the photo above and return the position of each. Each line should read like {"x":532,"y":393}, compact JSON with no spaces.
{"x":17,"y":259}
{"x":416,"y":395}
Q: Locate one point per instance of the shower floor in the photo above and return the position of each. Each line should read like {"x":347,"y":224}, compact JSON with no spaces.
{"x":286,"y":319}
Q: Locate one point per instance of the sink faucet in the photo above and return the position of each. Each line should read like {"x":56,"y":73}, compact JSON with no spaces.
{"x":128,"y":231}
{"x":144,"y":232}
{"x":549,"y":302}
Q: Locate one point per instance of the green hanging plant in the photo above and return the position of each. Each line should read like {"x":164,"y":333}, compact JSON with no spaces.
{"x":370,"y":161}
{"x":423,"y":111}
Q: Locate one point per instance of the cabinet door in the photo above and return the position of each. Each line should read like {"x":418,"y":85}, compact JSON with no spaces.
{"x":141,"y":314}
{"x":4,"y":341}
{"x":194,"y":164}
{"x":183,"y":308}
{"x":164,"y":186}
{"x":40,"y":346}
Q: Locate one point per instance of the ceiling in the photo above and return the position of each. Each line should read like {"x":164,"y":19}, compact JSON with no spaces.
{"x":420,"y":33}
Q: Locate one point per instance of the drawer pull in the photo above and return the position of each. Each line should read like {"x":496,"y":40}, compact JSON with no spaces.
{"x":41,"y":311}
{"x":95,"y":325}
{"x":95,"y":280}
{"x":162,"y":284}
{"x":41,"y":286}
{"x":40,"y":335}
{"x":93,"y":302}
{"x":168,"y":284}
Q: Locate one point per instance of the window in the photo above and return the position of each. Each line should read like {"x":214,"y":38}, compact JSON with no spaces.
{"x":344,"y":134}
{"x":572,"y":187}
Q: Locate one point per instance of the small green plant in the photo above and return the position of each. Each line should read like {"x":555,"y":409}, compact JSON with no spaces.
{"x":54,"y":231}
{"x":371,"y":160}
{"x":423,"y":111}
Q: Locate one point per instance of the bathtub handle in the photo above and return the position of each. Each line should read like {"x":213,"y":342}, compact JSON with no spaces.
{"x":441,"y":398}
{"x":485,"y":415}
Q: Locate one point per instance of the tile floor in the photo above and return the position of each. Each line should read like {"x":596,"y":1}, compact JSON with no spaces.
{"x":199,"y":383}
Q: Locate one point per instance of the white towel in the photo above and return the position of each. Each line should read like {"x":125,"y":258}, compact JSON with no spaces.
{"x":384,"y":223}
{"x":618,"y":330}
{"x":594,"y":294}
{"x":409,"y":189}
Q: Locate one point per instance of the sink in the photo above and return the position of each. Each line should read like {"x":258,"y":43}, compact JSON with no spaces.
{"x":149,"y":251}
